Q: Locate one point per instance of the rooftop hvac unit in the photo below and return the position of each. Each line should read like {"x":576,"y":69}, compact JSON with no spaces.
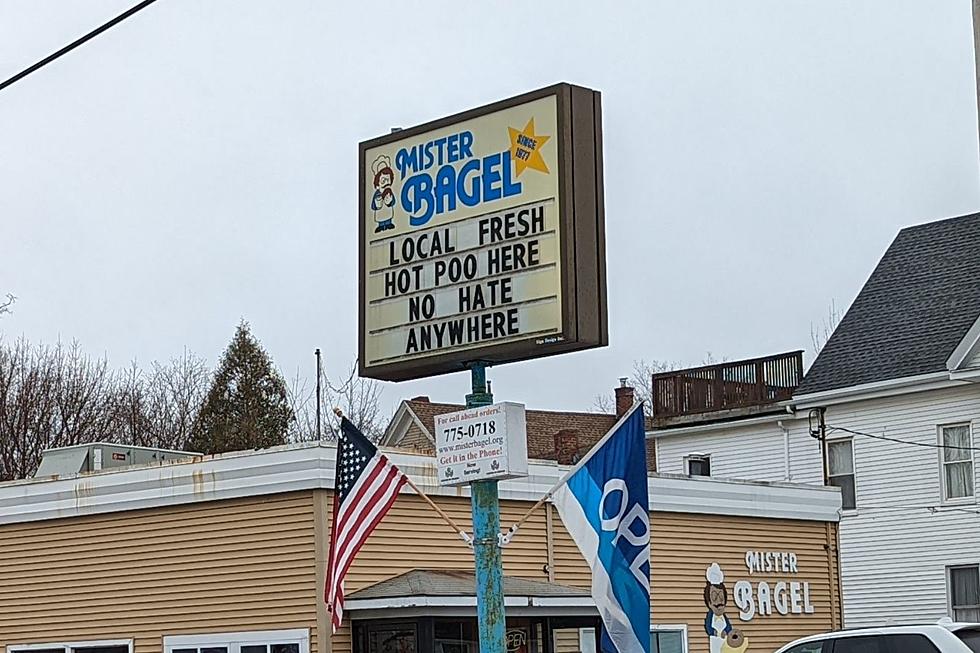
{"x":97,"y":456}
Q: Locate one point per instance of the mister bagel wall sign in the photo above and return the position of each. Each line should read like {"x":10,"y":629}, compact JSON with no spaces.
{"x":482,"y":237}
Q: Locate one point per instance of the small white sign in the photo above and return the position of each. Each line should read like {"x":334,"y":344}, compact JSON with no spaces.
{"x":482,"y":443}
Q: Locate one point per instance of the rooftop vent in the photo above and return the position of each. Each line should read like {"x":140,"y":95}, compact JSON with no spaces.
{"x":66,"y":461}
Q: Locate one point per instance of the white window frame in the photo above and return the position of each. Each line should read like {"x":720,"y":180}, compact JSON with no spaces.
{"x":592,"y":632}
{"x":681,"y":627}
{"x":70,"y":646}
{"x":234,"y":641}
{"x":699,"y":457}
{"x":854,"y":472}
{"x":943,"y":494}
{"x":950,"y":608}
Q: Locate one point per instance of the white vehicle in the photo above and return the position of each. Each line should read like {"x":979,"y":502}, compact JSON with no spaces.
{"x":944,"y":637}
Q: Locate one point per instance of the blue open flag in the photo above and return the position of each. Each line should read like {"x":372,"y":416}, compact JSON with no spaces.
{"x":606,"y":509}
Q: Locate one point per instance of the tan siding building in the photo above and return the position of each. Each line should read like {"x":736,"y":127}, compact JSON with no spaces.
{"x":226,"y":555}
{"x":207,"y":567}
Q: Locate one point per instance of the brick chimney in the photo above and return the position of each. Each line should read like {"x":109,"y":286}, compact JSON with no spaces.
{"x":566,"y":446}
{"x":624,"y":397}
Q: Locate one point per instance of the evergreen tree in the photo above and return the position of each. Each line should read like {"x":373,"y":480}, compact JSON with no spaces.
{"x":247,"y":406}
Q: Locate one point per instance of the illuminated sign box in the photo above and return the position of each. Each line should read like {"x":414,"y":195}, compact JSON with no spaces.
{"x":481,"y":237}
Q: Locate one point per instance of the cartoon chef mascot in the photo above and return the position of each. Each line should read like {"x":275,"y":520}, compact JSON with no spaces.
{"x":722,"y":637}
{"x":383,"y":202}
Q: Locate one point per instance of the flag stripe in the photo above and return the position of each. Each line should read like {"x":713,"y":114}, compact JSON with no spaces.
{"x":617,"y":548}
{"x":385,"y":497}
{"x":368,"y":519}
{"x":328,"y":589}
{"x":615,"y":619}
{"x":372,"y":502}
{"x":366,"y":484}
{"x":374,"y":523}
{"x":361,"y":486}
{"x":350,"y":540}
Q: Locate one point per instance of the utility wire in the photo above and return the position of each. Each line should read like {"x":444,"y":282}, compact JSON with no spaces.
{"x":832,"y":429}
{"x":972,"y":509}
{"x":74,"y":44}
{"x":934,"y":509}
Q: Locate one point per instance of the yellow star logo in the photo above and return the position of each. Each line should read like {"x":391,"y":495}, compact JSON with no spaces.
{"x":525,"y":148}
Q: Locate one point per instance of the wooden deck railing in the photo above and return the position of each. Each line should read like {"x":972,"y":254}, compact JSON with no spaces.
{"x":738,"y":384}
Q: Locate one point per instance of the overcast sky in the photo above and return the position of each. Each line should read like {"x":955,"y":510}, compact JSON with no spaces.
{"x":196,"y":165}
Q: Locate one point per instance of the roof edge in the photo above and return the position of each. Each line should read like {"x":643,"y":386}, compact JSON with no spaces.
{"x":966,"y":348}
{"x":310,"y":467}
{"x":405,"y":406}
{"x":874,"y":390}
{"x":771,"y":418}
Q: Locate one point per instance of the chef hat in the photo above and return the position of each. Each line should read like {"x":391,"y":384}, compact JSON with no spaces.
{"x":382,"y":162}
{"x":714,"y":574}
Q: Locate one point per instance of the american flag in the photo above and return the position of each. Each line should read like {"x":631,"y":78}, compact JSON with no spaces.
{"x":365,"y":486}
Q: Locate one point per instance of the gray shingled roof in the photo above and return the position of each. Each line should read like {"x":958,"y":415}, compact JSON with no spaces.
{"x":456,"y":582}
{"x":911,"y":314}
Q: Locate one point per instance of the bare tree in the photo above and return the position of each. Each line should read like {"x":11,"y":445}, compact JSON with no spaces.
{"x":177,"y":390}
{"x":7,"y":303}
{"x":27,"y":407}
{"x":49,"y":397}
{"x":131,"y":404}
{"x":640,"y":379}
{"x":358,"y":398}
{"x":158,"y":408}
{"x":56,"y":397}
{"x":819,"y":335}
{"x":302,"y":400}
{"x":84,"y":397}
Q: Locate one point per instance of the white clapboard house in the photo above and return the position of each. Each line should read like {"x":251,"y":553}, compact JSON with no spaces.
{"x":898,"y":386}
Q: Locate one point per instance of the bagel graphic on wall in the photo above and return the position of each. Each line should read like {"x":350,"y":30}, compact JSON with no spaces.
{"x":722,"y":636}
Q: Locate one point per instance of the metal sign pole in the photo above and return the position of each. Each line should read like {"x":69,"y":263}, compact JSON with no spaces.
{"x":485,"y":506}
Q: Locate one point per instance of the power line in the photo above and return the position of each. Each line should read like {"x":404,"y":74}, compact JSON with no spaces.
{"x":932,"y":508}
{"x":831,"y":429}
{"x":74,"y":44}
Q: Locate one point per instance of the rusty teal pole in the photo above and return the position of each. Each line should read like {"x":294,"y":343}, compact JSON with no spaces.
{"x":485,"y":505}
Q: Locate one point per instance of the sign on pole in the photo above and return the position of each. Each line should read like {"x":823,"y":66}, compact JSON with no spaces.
{"x":487,"y":442}
{"x":481,"y":237}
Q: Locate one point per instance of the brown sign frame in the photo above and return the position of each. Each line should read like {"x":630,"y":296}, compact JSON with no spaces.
{"x":583,"y":251}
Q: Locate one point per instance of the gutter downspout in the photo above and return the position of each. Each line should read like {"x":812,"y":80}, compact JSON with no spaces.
{"x":786,"y":463}
{"x":550,"y":535}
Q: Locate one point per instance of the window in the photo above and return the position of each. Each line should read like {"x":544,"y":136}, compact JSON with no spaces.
{"x":455,"y":636}
{"x":698,"y":464}
{"x":586,"y":640}
{"x":964,"y":593}
{"x":113,"y":646}
{"x":400,"y":638}
{"x":872,"y":644}
{"x":957,"y":461}
{"x":909,"y":643}
{"x":668,"y":639}
{"x":809,"y":647}
{"x":840,"y":464}
{"x":970,"y":637}
{"x":265,"y":641}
